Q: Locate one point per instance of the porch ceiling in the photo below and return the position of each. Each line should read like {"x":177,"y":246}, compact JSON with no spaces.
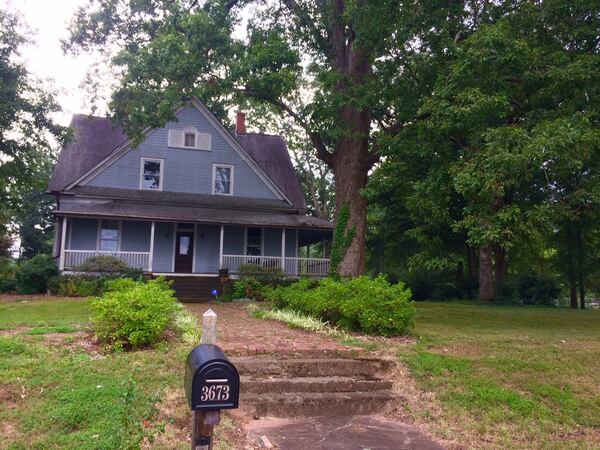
{"x":172,"y":213}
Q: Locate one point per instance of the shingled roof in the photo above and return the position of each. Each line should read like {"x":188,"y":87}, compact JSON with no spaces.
{"x":96,"y":137}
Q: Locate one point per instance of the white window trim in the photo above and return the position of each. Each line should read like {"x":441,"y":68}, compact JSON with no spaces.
{"x":190,"y":130}
{"x":162,"y":173}
{"x":232,"y":177}
{"x":99,"y":234}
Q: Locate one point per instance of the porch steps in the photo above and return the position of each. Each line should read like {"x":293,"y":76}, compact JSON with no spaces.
{"x":310,"y":387}
{"x":194,"y":289}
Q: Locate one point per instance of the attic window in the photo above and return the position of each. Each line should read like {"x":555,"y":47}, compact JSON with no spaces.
{"x":190,"y":138}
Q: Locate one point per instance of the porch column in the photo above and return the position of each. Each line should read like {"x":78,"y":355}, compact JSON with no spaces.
{"x":283,"y":250}
{"x":221,"y":247}
{"x":63,"y":238}
{"x":151,"y":256}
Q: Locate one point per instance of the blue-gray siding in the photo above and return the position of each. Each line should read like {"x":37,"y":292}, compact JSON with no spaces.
{"x":163,"y":247}
{"x":135,"y":236}
{"x":184,"y":170}
{"x":233,"y":241}
{"x":272,"y":244}
{"x":207,"y":248}
{"x":82,"y":234}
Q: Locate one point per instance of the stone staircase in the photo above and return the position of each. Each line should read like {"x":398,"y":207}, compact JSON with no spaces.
{"x":194,"y":289}
{"x":311,"y":386}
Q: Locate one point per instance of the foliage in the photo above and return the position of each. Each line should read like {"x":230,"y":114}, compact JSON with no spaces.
{"x":29,"y":136}
{"x":108,"y":265}
{"x":8,"y":272}
{"x":78,"y":285}
{"x":342,"y":238}
{"x":292,"y":318}
{"x":530,"y":289}
{"x":363,"y":304}
{"x":253,"y":279}
{"x":33,"y":275}
{"x":187,"y":326}
{"x":132,"y":314}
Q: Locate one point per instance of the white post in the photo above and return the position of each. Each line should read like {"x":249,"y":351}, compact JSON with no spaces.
{"x":151,"y":257}
{"x":209,"y":327}
{"x":63,"y":238}
{"x":283,"y":250}
{"x":221,"y":247}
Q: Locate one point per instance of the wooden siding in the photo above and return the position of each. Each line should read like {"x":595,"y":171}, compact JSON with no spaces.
{"x":185,"y":170}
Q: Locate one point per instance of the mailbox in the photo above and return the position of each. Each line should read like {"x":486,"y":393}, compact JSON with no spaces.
{"x":211,"y":381}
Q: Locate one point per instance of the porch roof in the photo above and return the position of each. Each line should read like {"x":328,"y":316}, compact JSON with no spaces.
{"x":178,"y":213}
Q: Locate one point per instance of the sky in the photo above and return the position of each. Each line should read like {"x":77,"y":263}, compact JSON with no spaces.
{"x":48,"y":21}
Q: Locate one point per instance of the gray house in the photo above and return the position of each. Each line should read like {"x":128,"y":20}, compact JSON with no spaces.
{"x":191,"y":199}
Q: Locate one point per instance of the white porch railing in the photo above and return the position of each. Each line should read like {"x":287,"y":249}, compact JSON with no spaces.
{"x":137,"y":260}
{"x":312,"y":267}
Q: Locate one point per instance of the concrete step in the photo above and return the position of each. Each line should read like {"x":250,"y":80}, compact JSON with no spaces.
{"x":310,"y":367}
{"x":316,"y":404}
{"x":312,"y":384}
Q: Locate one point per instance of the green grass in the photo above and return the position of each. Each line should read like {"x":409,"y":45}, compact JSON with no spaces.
{"x":56,"y":394}
{"x":511,"y":377}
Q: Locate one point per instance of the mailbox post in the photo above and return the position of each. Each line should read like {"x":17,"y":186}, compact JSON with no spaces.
{"x":212,"y":383}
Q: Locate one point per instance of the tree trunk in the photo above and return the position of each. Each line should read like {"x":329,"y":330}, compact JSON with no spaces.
{"x":486,"y":273}
{"x":581,"y":295}
{"x":500,"y":266}
{"x":351,"y":168}
{"x":573,"y":292}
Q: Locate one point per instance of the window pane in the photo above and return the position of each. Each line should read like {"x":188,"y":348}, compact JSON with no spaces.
{"x":184,"y":245}
{"x":190,"y":140}
{"x":222,"y":180}
{"x":151,"y":168}
{"x":254,"y":242}
{"x":108,"y":245}
{"x":150,"y":182}
{"x":109,"y":234}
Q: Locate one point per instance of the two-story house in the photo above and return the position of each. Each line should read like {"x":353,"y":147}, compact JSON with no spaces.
{"x":190,"y":199}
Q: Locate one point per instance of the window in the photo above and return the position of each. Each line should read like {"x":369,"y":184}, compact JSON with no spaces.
{"x":190,"y":140}
{"x":253,"y":241}
{"x":222,"y":179}
{"x":151,"y":176}
{"x":109,"y":235}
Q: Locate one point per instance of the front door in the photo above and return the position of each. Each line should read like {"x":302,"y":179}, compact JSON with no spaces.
{"x":184,"y":252}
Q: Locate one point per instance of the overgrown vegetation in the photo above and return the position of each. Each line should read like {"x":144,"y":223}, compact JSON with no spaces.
{"x":33,"y":275}
{"x":133,"y":313}
{"x":373,"y":306}
{"x":254,"y":280}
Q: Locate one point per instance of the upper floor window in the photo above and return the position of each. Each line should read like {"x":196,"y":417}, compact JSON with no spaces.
{"x":189,"y":137}
{"x":109,"y":236}
{"x":222,"y":179}
{"x":151,"y":176}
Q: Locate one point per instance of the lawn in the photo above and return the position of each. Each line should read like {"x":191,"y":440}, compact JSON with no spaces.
{"x":505,"y":377}
{"x":60,"y":390}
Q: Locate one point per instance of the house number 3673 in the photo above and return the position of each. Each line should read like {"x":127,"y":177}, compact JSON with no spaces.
{"x":215,"y":392}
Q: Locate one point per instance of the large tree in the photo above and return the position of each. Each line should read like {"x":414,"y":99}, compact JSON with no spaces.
{"x":345,"y":65}
{"x":28,"y":136}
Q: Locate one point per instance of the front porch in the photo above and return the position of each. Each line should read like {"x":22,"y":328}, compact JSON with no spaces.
{"x":193,"y":249}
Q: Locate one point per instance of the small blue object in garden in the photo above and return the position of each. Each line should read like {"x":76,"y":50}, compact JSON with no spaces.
{"x":215,"y":293}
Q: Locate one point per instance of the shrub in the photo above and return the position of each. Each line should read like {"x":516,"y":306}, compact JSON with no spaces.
{"x":133,"y":313}
{"x":373,"y":306}
{"x":530,"y":289}
{"x":108,"y":265}
{"x":8,"y":272}
{"x":33,"y":275}
{"x":254,"y":278}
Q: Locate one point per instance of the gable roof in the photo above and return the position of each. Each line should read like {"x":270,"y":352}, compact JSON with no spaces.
{"x":270,"y":152}
{"x":96,"y":138}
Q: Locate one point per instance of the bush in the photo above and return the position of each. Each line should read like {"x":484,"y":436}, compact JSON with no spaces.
{"x":373,"y":306}
{"x":33,"y":275}
{"x":254,"y":278}
{"x":133,"y":313}
{"x":107,"y":265}
{"x":530,"y":289}
{"x":78,"y":285}
{"x":8,"y":272}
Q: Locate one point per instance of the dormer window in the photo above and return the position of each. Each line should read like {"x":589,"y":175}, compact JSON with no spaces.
{"x":222,"y":179}
{"x":190,"y":138}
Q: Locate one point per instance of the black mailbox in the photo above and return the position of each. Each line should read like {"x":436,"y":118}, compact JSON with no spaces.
{"x":211,"y":381}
